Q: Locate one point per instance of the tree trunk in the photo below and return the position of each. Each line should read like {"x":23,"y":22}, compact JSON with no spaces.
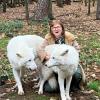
{"x":93,"y":3}
{"x":43,"y":10}
{"x":26,"y":9}
{"x":59,"y":3}
{"x":4,"y":5}
{"x":89,"y":7}
{"x":85,"y":2}
{"x":98,"y":10}
{"x":50,"y":16}
{"x":68,"y":2}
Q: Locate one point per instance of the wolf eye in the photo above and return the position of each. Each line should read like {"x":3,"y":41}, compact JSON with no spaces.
{"x":53,"y":57}
{"x":29,"y":60}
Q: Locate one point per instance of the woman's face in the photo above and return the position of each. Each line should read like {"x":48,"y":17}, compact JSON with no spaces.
{"x":57,"y":30}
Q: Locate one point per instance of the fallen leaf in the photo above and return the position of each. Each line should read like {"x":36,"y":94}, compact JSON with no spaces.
{"x":1,"y":95}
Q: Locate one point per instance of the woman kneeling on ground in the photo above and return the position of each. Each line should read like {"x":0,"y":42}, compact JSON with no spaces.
{"x":58,"y":35}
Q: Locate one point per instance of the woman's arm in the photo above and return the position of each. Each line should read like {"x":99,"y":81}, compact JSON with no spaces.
{"x":41,"y":50}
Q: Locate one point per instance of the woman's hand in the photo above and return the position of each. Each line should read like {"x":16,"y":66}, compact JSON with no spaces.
{"x":47,"y":57}
{"x":78,"y":48}
{"x":76,"y":45}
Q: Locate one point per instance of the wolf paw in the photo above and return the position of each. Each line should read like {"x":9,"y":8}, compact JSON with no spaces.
{"x":20,"y":92}
{"x":68,"y":98}
{"x":40,"y":92}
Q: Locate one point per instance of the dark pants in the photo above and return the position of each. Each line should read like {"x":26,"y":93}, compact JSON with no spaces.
{"x":76,"y":79}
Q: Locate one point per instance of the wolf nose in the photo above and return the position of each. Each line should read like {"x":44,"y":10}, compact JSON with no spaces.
{"x":30,"y":69}
{"x":45,"y":64}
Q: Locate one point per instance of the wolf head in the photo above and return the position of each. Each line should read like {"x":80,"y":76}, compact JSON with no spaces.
{"x":62,"y":55}
{"x":56,"y":59}
{"x":27,"y":59}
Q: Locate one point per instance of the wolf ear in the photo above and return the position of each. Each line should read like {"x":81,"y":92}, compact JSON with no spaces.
{"x":65,"y":52}
{"x":18,"y":55}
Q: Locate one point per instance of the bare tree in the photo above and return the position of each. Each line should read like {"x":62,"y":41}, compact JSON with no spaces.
{"x":43,"y":9}
{"x":68,"y":2}
{"x":59,"y":3}
{"x":26,"y":9}
{"x":98,"y":10}
{"x":85,"y":1}
{"x":93,"y":2}
{"x":4,"y":5}
{"x":89,"y":8}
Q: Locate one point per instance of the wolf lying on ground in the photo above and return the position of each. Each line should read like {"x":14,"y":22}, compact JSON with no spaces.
{"x":64,"y":60}
{"x":21,"y":52}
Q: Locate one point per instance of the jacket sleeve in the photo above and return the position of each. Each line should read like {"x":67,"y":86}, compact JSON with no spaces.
{"x":41,"y":50}
{"x":71,"y":39}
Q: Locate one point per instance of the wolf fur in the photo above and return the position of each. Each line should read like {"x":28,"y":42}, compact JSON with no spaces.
{"x":21,"y":52}
{"x":64,"y":60}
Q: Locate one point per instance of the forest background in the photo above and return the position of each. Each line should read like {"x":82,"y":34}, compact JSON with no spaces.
{"x":80,"y":17}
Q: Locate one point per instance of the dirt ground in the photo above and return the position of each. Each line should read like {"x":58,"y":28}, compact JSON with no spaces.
{"x":75,"y":19}
{"x":7,"y":93}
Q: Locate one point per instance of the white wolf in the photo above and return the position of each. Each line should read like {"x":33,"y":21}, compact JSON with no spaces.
{"x":64,"y":60}
{"x":21,"y":52}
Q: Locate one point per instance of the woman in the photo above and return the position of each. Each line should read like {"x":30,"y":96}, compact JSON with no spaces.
{"x":58,"y":35}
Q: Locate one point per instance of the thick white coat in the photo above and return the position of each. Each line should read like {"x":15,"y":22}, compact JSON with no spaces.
{"x":64,"y":60}
{"x":21,"y":52}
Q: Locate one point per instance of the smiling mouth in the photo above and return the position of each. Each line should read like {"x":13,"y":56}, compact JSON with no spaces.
{"x":56,"y":32}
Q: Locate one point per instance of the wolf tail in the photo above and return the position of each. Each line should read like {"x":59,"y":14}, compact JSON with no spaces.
{"x":83,"y":74}
{"x":51,"y":85}
{"x":53,"y":82}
